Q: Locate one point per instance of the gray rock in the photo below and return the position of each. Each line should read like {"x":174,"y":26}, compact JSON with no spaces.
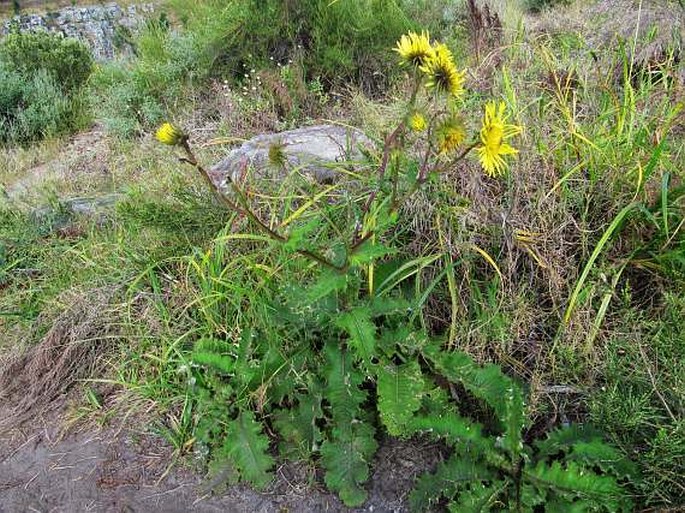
{"x":95,"y":25}
{"x":313,"y":150}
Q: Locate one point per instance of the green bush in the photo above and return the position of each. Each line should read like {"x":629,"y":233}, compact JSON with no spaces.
{"x":66,"y":60}
{"x":345,"y":41}
{"x":134,"y":96}
{"x":331,"y":44}
{"x":34,"y":107}
{"x":328,"y":354}
{"x":42,"y":76}
{"x":640,"y":403}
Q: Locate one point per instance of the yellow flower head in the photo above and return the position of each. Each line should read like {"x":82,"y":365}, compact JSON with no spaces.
{"x":415,"y":49}
{"x":417,"y":122}
{"x":169,"y":134}
{"x":450,"y":135}
{"x":442,"y":73}
{"x":493,"y":138}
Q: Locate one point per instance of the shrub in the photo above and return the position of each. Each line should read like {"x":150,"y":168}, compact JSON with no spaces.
{"x":34,"y":107}
{"x":42,"y":76}
{"x":640,"y":402}
{"x":134,"y":96}
{"x":321,"y":43}
{"x":66,"y":60}
{"x":345,"y":41}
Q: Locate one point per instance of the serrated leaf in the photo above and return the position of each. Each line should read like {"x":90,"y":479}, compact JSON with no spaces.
{"x":531,"y":496}
{"x":350,"y":445}
{"x":298,"y":427}
{"x":247,"y":449}
{"x":608,"y":458}
{"x":573,"y":480}
{"x":584,"y":444}
{"x":298,"y":235}
{"x":342,"y":386}
{"x":400,"y":389}
{"x":478,"y":498}
{"x":346,"y":457}
{"x":562,"y":439}
{"x":328,"y":283}
{"x":358,"y":325}
{"x":215,"y":354}
{"x":369,"y":252}
{"x":383,"y":305}
{"x":454,"y":429}
{"x":491,"y":385}
{"x":449,"y":478}
{"x":560,"y":505}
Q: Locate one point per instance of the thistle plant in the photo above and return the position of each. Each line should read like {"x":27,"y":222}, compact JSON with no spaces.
{"x":341,"y":354}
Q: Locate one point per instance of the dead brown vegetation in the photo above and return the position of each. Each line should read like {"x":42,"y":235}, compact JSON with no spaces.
{"x":39,"y":378}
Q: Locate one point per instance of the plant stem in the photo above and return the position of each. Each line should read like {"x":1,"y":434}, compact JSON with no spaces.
{"x":387,"y":147}
{"x":244,"y":208}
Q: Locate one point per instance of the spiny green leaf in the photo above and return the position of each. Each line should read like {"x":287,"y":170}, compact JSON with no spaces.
{"x":449,"y":478}
{"x":407,"y":340}
{"x":297,"y":426}
{"x":361,"y":330}
{"x":562,"y":439}
{"x":342,"y":385}
{"x":329,"y":282}
{"x":559,"y":505}
{"x":216,"y":354}
{"x":246,"y":447}
{"x":531,"y":496}
{"x":608,"y":458}
{"x":584,"y":444}
{"x":368,"y":252}
{"x":350,"y":445}
{"x":298,"y":235}
{"x":400,"y":389}
{"x":478,"y":498}
{"x":576,"y":481}
{"x":346,"y":456}
{"x":383,"y":305}
{"x":215,"y":361}
{"x":455,"y":429}
{"x":491,"y":385}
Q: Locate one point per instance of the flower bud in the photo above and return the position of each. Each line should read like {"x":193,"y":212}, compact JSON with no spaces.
{"x":169,"y":134}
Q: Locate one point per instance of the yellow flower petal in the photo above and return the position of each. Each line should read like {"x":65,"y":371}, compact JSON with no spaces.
{"x":169,"y":134}
{"x":417,"y":122}
{"x":450,"y":135}
{"x":442,"y":72}
{"x":493,"y":136}
{"x":414,"y":49}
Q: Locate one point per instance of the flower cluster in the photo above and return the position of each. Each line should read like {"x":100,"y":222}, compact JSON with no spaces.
{"x":434,"y":61}
{"x":434,"y":66}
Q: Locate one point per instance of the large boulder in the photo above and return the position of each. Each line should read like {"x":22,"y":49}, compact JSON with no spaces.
{"x":312,"y":151}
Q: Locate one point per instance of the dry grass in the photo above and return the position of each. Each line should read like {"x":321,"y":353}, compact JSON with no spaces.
{"x":40,"y":377}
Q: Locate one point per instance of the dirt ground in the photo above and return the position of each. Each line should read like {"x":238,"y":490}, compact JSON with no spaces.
{"x":126,"y":471}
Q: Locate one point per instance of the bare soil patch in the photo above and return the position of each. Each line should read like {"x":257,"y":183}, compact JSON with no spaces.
{"x":126,"y":471}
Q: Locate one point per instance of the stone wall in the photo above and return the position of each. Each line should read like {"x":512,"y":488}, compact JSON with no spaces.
{"x":104,"y":28}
